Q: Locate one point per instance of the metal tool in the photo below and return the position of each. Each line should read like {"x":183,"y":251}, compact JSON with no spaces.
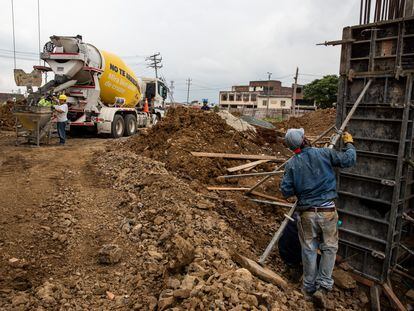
{"x":334,"y":140}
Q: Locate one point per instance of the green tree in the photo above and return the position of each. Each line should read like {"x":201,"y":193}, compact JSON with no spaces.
{"x":322,"y":91}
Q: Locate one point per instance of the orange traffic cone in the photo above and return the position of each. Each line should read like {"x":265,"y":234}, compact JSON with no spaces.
{"x":146,"y":107}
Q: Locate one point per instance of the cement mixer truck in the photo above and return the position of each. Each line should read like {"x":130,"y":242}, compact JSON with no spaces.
{"x":103,"y":92}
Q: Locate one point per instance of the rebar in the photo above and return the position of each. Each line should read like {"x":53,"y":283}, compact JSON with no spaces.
{"x":382,"y":10}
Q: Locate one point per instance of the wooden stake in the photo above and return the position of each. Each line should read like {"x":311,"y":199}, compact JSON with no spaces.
{"x":236,"y":156}
{"x":226,"y":189}
{"x":393,"y":298}
{"x":246,"y":166}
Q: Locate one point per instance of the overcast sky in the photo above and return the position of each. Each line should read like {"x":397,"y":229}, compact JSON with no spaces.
{"x":216,"y":43}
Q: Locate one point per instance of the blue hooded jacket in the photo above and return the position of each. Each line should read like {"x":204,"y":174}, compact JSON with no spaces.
{"x":310,"y":175}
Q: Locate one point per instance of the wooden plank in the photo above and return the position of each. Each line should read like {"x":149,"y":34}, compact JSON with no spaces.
{"x":393,"y":298}
{"x":262,"y":273}
{"x":252,"y":167}
{"x":246,"y":166}
{"x":361,"y":279}
{"x":226,"y":189}
{"x":375,"y":298}
{"x":236,"y":156}
{"x":270,"y":197}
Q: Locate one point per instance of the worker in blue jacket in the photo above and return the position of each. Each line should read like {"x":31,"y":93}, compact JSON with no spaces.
{"x":309,"y":175}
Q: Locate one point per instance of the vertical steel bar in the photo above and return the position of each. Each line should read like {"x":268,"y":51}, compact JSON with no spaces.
{"x":360,"y":12}
{"x":369,"y":11}
{"x":402,"y":7}
{"x":398,"y":174}
{"x":379,"y":10}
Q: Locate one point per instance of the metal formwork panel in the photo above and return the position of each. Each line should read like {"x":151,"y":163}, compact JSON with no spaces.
{"x":378,"y":190}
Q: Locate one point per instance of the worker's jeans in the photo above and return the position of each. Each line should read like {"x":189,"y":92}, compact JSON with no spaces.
{"x":318,"y":230}
{"x":61,"y":129}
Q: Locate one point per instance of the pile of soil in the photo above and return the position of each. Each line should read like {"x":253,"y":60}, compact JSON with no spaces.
{"x":185,"y":244}
{"x":314,"y":123}
{"x":186,"y":130}
{"x":7,"y":120}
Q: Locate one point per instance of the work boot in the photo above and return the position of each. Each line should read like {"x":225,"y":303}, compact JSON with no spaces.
{"x":307,"y":295}
{"x":319,"y":298}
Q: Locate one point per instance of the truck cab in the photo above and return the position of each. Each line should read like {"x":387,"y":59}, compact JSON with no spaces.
{"x":155,"y":91}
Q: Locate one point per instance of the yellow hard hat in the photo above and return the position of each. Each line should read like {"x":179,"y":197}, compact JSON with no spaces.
{"x":63,"y":97}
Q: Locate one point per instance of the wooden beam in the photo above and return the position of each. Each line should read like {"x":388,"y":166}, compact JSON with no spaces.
{"x":393,"y":298}
{"x":265,"y":274}
{"x":270,"y":197}
{"x":246,"y":166}
{"x":226,"y":189}
{"x":361,"y":279}
{"x":375,"y":298}
{"x":236,"y":156}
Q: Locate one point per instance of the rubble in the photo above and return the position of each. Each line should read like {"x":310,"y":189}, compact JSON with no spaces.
{"x":187,"y":245}
{"x":110,"y":254}
{"x":236,"y":123}
{"x":177,"y":239}
{"x":314,"y":123}
{"x":343,"y":279}
{"x":7,"y":119}
{"x":187,"y":130}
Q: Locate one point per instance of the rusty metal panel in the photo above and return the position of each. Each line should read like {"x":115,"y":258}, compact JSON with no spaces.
{"x":379,"y":189}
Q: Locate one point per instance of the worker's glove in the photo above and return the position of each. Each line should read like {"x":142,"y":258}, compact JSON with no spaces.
{"x":347,"y":138}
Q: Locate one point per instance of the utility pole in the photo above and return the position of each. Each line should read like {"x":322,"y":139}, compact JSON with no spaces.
{"x":172,"y":87}
{"x":155,"y":62}
{"x":14,"y":36}
{"x":269,"y":74}
{"x":188,"y":89}
{"x":295,"y":86}
{"x":38,"y":29}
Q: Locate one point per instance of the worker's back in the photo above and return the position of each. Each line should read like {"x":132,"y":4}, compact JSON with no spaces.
{"x":310,"y":174}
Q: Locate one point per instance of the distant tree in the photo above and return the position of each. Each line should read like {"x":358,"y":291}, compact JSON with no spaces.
{"x":322,"y":91}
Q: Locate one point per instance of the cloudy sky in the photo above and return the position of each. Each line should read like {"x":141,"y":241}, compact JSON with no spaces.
{"x":216,"y":43}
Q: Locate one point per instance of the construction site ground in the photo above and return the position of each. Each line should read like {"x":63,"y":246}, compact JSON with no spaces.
{"x":129,"y":224}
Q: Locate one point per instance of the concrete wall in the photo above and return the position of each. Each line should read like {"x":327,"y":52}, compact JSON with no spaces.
{"x":275,"y":103}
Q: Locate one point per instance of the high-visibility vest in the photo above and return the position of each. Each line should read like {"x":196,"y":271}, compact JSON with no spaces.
{"x":45,"y":103}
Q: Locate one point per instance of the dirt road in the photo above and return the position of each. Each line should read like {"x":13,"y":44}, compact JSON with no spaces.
{"x":47,"y":197}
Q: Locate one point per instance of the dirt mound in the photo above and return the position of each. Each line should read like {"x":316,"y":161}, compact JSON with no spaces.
{"x":185,"y":245}
{"x":314,"y":122}
{"x":7,"y":120}
{"x":185,"y":130}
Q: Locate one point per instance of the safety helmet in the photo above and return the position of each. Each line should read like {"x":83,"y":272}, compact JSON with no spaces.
{"x":63,"y":97}
{"x":294,"y":138}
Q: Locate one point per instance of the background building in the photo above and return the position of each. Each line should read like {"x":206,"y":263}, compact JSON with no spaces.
{"x":258,"y":93}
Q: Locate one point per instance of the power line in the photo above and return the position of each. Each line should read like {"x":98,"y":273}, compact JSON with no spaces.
{"x":17,"y":57}
{"x":135,"y":56}
{"x":18,"y":52}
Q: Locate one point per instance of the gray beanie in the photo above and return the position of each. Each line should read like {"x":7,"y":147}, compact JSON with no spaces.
{"x":294,"y":138}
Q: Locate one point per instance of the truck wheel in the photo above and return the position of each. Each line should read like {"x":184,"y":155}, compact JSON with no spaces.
{"x":118,"y":126}
{"x":130,"y":125}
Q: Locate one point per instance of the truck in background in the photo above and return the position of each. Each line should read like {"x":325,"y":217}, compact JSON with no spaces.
{"x":103,"y":92}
